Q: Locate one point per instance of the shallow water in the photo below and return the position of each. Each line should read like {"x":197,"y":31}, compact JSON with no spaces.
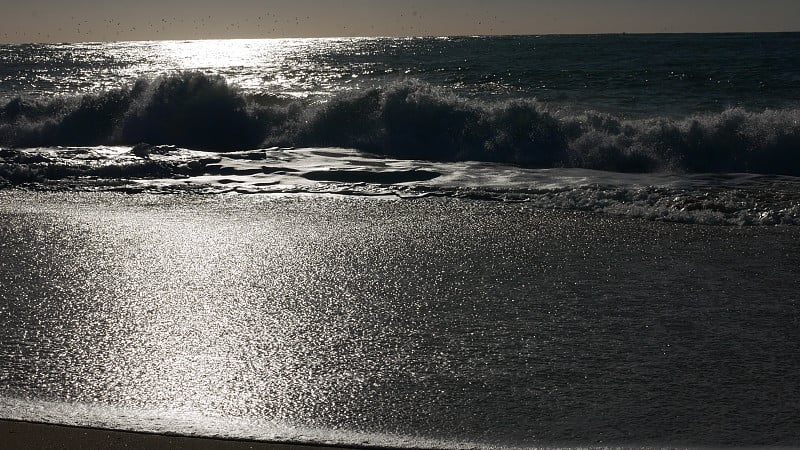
{"x":705,"y":198}
{"x":425,"y":322}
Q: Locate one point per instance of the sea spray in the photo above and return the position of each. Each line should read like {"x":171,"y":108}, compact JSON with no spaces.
{"x":408,"y":119}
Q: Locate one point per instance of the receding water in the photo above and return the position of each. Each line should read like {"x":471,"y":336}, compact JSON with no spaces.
{"x":395,"y":322}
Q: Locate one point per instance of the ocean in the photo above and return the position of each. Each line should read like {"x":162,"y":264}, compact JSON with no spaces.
{"x":452,"y":242}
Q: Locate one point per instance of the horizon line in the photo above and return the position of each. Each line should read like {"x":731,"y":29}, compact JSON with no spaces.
{"x":619,"y":33}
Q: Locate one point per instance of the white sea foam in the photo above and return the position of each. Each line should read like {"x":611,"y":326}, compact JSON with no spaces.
{"x":720,"y":199}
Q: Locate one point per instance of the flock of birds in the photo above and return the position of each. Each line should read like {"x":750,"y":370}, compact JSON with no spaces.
{"x":115,"y":27}
{"x":267,"y":24}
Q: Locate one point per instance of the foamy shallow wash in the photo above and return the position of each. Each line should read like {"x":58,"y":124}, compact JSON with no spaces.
{"x":717,"y":199}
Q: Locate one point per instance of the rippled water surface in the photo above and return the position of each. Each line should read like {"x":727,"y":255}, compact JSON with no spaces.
{"x":635,"y":74}
{"x":683,"y":103}
{"x":395,"y":322}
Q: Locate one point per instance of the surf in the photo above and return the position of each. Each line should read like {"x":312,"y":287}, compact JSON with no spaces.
{"x":407,"y":119}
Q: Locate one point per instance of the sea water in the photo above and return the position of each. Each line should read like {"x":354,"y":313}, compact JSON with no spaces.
{"x":423,"y":323}
{"x":421,"y":242}
{"x":644,"y":103}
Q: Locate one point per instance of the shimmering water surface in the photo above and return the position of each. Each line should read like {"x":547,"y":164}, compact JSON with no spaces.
{"x":426,"y":242}
{"x":635,"y":74}
{"x":631,"y":103}
{"x":430,"y":322}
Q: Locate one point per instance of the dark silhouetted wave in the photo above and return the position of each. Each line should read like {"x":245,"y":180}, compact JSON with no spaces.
{"x":407,"y":119}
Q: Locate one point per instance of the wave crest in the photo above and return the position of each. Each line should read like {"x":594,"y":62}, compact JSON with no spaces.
{"x":188,"y":109}
{"x":408,"y":119}
{"x":732,"y":141}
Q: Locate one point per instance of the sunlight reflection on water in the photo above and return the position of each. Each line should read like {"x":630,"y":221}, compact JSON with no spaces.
{"x":293,"y":67}
{"x":280,"y":67}
{"x":455,"y":320}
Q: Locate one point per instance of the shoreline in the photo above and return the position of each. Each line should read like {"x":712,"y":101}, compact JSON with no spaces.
{"x":16,"y":434}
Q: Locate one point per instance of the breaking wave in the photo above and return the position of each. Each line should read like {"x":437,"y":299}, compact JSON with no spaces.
{"x":407,"y":119}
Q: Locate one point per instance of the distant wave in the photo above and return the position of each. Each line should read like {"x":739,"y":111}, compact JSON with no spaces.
{"x":406,"y":119}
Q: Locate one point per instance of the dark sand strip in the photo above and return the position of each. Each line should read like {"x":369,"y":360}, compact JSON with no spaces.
{"x":16,"y":435}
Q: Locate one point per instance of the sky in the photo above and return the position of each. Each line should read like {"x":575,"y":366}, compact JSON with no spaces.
{"x":104,"y":20}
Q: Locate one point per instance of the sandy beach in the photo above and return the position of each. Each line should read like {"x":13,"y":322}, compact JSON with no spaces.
{"x":28,"y":435}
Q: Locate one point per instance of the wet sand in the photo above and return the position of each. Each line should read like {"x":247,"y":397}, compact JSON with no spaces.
{"x":28,"y":435}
